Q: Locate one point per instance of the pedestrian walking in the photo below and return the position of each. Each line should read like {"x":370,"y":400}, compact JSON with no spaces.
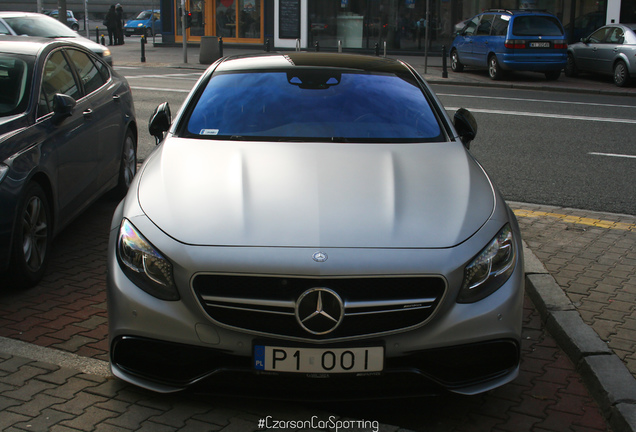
{"x":111,"y":25}
{"x":120,"y":24}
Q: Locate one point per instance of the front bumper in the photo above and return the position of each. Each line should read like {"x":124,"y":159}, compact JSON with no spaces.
{"x":164,"y":366}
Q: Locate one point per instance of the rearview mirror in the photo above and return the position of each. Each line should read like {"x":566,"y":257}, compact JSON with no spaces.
{"x":466,"y":126}
{"x":160,"y":121}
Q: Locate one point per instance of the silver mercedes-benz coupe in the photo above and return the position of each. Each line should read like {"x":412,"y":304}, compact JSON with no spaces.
{"x":314,"y":221}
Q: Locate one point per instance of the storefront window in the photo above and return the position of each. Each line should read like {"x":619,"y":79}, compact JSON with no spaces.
{"x":250,"y":19}
{"x":226,"y":18}
{"x":197,"y":9}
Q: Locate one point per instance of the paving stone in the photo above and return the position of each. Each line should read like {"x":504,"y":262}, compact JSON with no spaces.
{"x":89,"y":418}
{"x":133,"y":417}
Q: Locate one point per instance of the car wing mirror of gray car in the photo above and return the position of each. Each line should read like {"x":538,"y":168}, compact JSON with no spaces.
{"x":63,"y":106}
{"x":160,"y":121}
{"x":466,"y":126}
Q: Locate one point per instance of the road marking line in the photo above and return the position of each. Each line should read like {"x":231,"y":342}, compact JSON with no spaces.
{"x":612,"y":155}
{"x":536,"y":100}
{"x":547,"y":115}
{"x":578,"y":220}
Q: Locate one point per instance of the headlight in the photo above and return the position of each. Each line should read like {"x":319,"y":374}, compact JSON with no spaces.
{"x":490,"y":269}
{"x":144,"y":265}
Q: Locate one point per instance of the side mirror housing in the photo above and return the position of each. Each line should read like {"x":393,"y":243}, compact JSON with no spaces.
{"x":160,"y":121}
{"x":466,"y":126}
{"x":63,"y":106}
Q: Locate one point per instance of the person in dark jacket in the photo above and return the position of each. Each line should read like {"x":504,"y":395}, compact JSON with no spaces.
{"x":120,"y":24}
{"x":111,"y":25}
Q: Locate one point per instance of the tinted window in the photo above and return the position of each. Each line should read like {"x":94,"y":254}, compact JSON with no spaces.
{"x":484,"y":25}
{"x":536,"y":25}
{"x":500,"y":25}
{"x":4,"y":30}
{"x":15,"y":80}
{"x":317,"y":105}
{"x":57,"y":78}
{"x":471,"y":26}
{"x":87,"y":71}
{"x":599,"y":35}
{"x":616,"y":36}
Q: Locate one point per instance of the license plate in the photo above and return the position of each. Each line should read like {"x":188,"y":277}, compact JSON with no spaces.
{"x":539,"y":44}
{"x":318,"y":360}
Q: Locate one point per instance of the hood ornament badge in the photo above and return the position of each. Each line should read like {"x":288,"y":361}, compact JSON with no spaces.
{"x":319,"y":257}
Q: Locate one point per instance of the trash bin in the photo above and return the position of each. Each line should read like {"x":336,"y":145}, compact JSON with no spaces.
{"x":210,"y":51}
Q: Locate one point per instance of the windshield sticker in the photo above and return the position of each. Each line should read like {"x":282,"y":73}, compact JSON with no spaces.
{"x":209,"y":132}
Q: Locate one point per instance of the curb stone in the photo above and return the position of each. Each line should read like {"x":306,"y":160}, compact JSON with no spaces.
{"x":610,"y":383}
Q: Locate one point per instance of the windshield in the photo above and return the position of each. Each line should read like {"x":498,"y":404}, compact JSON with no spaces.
{"x":39,"y":26}
{"x":537,"y":25}
{"x":144,"y":15}
{"x":14,"y":85}
{"x":314,"y":105}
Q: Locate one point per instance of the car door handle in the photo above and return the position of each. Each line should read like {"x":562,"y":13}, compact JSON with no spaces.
{"x":88,"y":114}
{"x":116,"y":98}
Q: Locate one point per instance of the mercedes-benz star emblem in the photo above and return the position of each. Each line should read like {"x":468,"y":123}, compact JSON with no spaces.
{"x":320,"y":257}
{"x":319,"y":310}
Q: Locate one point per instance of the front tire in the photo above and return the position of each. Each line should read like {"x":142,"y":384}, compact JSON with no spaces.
{"x":456,"y":65}
{"x":128,"y":164}
{"x":494,"y":70}
{"x":32,"y":236}
{"x":621,"y":74}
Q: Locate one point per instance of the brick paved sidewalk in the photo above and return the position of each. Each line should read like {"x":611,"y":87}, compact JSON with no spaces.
{"x":592,"y":257}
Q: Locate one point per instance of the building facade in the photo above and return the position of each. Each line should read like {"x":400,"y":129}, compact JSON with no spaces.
{"x":401,"y":25}
{"x":361,"y":24}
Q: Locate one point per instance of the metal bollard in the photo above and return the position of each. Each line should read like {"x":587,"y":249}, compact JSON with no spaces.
{"x":317,"y":45}
{"x":377,"y":49}
{"x":339,"y":46}
{"x":103,"y":40}
{"x":97,"y":34}
{"x":143,"y":49}
{"x":444,"y":69}
{"x":267,"y":48}
{"x":221,"y":46}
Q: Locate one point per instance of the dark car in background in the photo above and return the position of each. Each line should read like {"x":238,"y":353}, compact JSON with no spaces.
{"x":610,"y":50}
{"x":35,"y":24}
{"x":142,"y":24}
{"x":71,"y":21}
{"x":314,"y":224}
{"x":68,"y":134}
{"x":503,"y":40}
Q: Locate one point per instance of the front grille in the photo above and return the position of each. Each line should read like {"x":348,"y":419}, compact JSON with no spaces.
{"x":372,"y":305}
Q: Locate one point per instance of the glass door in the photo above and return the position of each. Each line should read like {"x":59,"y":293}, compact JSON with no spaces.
{"x":239,"y":19}
{"x":197,"y":9}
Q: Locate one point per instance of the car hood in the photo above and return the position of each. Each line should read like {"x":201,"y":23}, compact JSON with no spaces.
{"x":135,"y":23}
{"x":225,"y":193}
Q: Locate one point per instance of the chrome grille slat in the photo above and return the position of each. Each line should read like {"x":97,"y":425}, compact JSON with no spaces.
{"x":267,"y":304}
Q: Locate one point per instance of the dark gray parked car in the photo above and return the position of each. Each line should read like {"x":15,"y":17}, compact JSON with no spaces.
{"x":314,"y":224}
{"x":68,"y":134}
{"x":610,"y":50}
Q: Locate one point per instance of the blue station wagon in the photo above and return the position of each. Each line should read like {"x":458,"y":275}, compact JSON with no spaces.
{"x":501,"y":40}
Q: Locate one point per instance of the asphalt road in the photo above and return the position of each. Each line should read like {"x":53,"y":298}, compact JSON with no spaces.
{"x":566,"y":149}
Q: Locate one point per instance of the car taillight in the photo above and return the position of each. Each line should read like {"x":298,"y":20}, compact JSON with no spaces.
{"x":515,"y":44}
{"x":560,"y":45}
